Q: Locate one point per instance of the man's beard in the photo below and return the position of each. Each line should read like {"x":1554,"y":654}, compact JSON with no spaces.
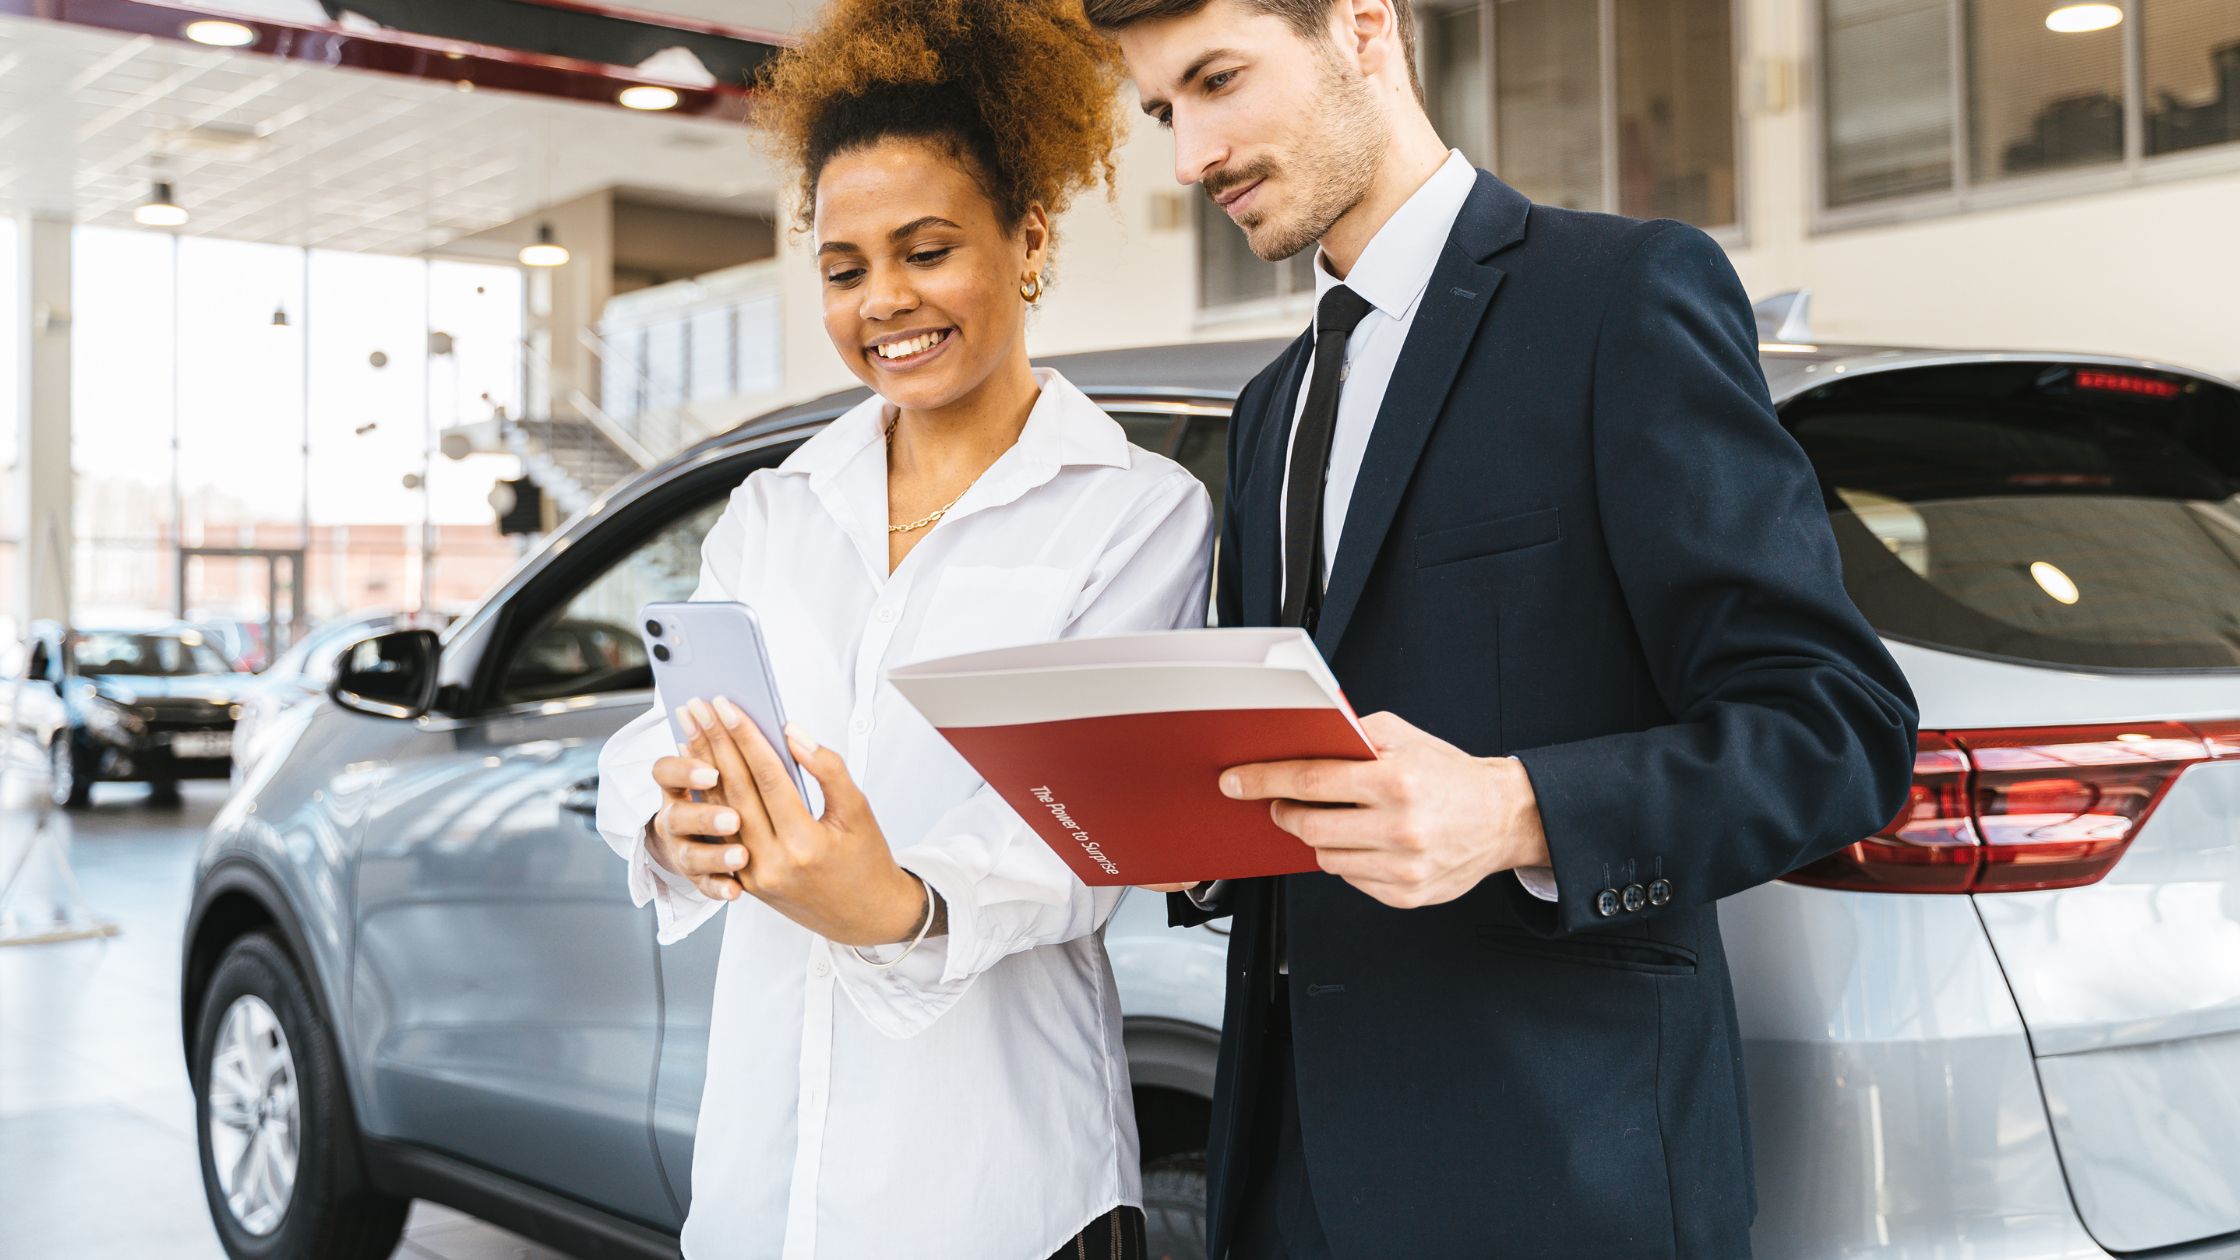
{"x":1349,"y":136}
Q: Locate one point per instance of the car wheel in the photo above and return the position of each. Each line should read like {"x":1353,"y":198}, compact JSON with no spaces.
{"x":69,"y":785}
{"x":1174,"y":1207}
{"x":280,"y":1164}
{"x":164,"y":792}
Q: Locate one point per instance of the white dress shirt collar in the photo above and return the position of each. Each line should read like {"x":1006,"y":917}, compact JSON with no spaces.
{"x":846,"y":464}
{"x":1064,"y":428}
{"x":1395,"y":269}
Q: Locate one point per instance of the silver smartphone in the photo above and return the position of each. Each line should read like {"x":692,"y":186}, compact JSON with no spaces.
{"x":702,"y":649}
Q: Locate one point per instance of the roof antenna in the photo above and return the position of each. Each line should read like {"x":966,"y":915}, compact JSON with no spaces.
{"x":1785,"y":317}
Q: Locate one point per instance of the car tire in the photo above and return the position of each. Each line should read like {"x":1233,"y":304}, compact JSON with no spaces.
{"x":164,"y":792}
{"x":1174,"y":1207}
{"x":69,"y":781}
{"x":279,"y":1120}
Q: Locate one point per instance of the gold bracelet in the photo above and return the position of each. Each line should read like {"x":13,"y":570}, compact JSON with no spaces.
{"x":923,"y":928}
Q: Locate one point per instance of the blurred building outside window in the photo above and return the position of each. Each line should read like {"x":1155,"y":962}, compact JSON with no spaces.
{"x":2043,"y":101}
{"x":11,"y":617}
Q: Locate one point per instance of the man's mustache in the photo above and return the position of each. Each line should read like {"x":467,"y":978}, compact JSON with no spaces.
{"x":1220,"y":185}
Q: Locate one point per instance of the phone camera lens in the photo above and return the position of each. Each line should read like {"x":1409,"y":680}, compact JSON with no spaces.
{"x":653,"y":628}
{"x":660,"y":652}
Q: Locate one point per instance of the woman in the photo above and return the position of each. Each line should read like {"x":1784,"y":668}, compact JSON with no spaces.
{"x":915,"y":1047}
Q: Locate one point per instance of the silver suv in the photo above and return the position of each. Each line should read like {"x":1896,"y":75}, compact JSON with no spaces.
{"x":2008,"y":1025}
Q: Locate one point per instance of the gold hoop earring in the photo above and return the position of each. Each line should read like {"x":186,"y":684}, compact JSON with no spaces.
{"x":1032,"y":289}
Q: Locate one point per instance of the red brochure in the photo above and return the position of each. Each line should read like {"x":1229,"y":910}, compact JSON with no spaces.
{"x":1112,"y":748}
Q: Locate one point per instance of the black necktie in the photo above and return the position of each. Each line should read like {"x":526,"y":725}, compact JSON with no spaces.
{"x":1334,"y":320}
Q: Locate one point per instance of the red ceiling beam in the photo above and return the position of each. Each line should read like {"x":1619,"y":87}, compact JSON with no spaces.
{"x":390,"y":51}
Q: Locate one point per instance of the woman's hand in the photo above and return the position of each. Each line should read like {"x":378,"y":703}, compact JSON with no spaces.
{"x":833,"y":875}
{"x":697,"y":839}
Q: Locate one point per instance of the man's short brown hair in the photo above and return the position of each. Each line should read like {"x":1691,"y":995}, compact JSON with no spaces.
{"x":1308,"y":17}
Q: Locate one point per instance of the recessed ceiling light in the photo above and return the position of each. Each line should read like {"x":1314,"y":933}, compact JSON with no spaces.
{"x":221,"y":34}
{"x":648,"y":97}
{"x":161,"y":209}
{"x":545,"y":251}
{"x":2074,"y":19}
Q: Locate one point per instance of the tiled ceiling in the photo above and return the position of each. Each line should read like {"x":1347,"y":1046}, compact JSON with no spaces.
{"x":777,"y":17}
{"x":285,"y":152}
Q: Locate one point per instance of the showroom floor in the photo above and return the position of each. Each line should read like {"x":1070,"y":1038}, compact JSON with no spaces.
{"x":97,"y":1152}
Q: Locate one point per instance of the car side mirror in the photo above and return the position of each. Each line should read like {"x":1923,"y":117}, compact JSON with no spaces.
{"x":390,"y":675}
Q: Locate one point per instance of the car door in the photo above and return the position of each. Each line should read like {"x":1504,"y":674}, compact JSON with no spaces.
{"x":505,"y":990}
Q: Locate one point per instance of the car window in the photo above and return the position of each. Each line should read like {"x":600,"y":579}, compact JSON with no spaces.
{"x":2056,"y":514}
{"x":1151,"y":431}
{"x":145,"y":655}
{"x":589,"y":643}
{"x":1205,"y":452}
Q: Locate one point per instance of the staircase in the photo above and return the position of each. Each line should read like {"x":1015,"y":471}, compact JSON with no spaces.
{"x":570,"y":459}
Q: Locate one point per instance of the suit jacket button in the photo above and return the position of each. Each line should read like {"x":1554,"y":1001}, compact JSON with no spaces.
{"x":1606,"y":902}
{"x":1636,"y":896}
{"x":1660,"y":891}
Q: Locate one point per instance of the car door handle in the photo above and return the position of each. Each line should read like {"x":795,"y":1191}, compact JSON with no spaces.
{"x":582,"y":796}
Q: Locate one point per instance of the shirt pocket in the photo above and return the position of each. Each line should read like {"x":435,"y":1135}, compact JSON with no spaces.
{"x":975,"y":607}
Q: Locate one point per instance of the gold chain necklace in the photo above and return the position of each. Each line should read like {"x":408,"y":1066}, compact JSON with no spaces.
{"x":924,"y":521}
{"x":938,"y":512}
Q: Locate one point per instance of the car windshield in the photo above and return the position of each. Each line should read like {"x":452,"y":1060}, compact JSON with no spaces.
{"x":103,"y":652}
{"x":2049,"y":513}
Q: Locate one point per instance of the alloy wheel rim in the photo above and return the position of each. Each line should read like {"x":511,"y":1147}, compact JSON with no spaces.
{"x":255,"y":1115}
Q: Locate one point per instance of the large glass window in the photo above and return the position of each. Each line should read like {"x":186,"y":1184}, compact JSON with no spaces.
{"x":1663,"y":146}
{"x":1676,"y":118}
{"x":2192,"y":78}
{"x":1888,"y":124}
{"x":2040,"y":99}
{"x":218,"y":439}
{"x":1229,"y":272}
{"x":2046,"y":90}
{"x":10,"y":370}
{"x":122,"y":422}
{"x":1454,"y":77}
{"x":1549,"y":117}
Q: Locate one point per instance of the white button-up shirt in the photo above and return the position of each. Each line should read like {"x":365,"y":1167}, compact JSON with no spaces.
{"x":973,"y":1101}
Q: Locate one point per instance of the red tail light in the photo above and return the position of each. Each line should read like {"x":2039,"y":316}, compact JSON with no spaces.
{"x":2128,"y":383}
{"x":2004,"y":811}
{"x":1930,"y":846}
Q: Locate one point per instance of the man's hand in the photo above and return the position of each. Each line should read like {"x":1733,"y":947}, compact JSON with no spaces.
{"x":1166,"y":888}
{"x":1421,"y":825}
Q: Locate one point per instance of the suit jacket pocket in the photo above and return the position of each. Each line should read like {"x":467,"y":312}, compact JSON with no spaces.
{"x":1485,"y":538}
{"x":1624,"y":953}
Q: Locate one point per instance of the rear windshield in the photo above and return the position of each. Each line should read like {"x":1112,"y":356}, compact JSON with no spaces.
{"x":102,"y":653}
{"x":2049,"y":513}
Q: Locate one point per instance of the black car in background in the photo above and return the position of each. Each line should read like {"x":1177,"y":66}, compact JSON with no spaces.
{"x":146,"y":705}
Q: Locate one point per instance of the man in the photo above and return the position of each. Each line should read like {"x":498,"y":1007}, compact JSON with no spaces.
{"x":1524,"y":485}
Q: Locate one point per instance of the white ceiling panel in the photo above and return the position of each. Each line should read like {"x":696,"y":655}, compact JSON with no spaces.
{"x":285,"y":152}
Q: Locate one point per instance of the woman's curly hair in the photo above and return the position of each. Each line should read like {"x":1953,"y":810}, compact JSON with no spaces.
{"x":1025,"y":90}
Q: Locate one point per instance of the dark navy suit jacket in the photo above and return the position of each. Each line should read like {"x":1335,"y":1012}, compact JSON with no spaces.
{"x":1580,"y":537}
